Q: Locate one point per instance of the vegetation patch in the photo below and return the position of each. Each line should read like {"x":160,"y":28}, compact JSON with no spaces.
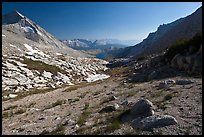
{"x":20,"y":111}
{"x":31,"y":104}
{"x":86,"y":106}
{"x":58,"y":102}
{"x":96,"y":93}
{"x":31,"y":92}
{"x":6,"y":114}
{"x":59,"y":130}
{"x":11,"y":113}
{"x":162,"y":104}
{"x":105,"y":100}
{"x":82,"y":95}
{"x":114,"y":124}
{"x":41,"y":66}
{"x":119,"y":71}
{"x":83,"y":117}
{"x":183,"y":46}
{"x":158,"y":93}
{"x":11,"y":107}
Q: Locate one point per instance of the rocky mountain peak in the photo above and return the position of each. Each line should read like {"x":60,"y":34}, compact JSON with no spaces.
{"x":12,"y":17}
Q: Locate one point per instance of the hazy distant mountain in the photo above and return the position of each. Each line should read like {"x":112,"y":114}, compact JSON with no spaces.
{"x":20,"y":30}
{"x":103,"y":44}
{"x":166,"y":35}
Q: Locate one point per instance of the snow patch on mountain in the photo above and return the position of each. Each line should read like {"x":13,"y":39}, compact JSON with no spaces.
{"x":28,"y":29}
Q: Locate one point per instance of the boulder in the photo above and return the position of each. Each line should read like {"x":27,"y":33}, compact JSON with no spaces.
{"x":151,"y":122}
{"x":142,"y":108}
{"x":184,"y":82}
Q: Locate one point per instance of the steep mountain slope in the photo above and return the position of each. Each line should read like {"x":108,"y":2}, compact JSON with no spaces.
{"x":34,"y":59}
{"x":167,"y":34}
{"x":20,"y":29}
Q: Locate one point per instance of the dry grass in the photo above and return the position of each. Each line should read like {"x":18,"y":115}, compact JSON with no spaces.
{"x":162,"y":104}
{"x":41,"y":66}
{"x":59,"y":130}
{"x":31,"y":92}
{"x":58,"y":102}
{"x":11,"y":107}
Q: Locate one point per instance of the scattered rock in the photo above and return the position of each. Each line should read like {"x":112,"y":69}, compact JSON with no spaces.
{"x":52,"y":86}
{"x":57,"y":118}
{"x":166,"y":84}
{"x":109,"y":108}
{"x":125,"y":102}
{"x":170,"y":81}
{"x":41,"y":118}
{"x":69,"y":122}
{"x":20,"y":130}
{"x":75,"y":127}
{"x":12,"y":95}
{"x":151,"y":122}
{"x":113,"y":97}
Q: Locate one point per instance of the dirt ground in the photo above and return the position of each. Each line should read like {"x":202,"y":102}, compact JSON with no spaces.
{"x":74,"y":110}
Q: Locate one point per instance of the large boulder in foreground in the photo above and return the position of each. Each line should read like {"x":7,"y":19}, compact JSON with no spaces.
{"x":143,"y":108}
{"x":151,"y":122}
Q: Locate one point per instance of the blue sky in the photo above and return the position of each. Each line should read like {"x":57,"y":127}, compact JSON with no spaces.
{"x":98,"y":20}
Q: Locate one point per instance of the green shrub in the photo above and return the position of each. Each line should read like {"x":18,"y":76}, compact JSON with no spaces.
{"x":11,"y":107}
{"x":41,"y":66}
{"x":83,"y":117}
{"x":182,"y":46}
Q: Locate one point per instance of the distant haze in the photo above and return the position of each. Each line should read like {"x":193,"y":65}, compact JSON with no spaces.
{"x":102,"y":20}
